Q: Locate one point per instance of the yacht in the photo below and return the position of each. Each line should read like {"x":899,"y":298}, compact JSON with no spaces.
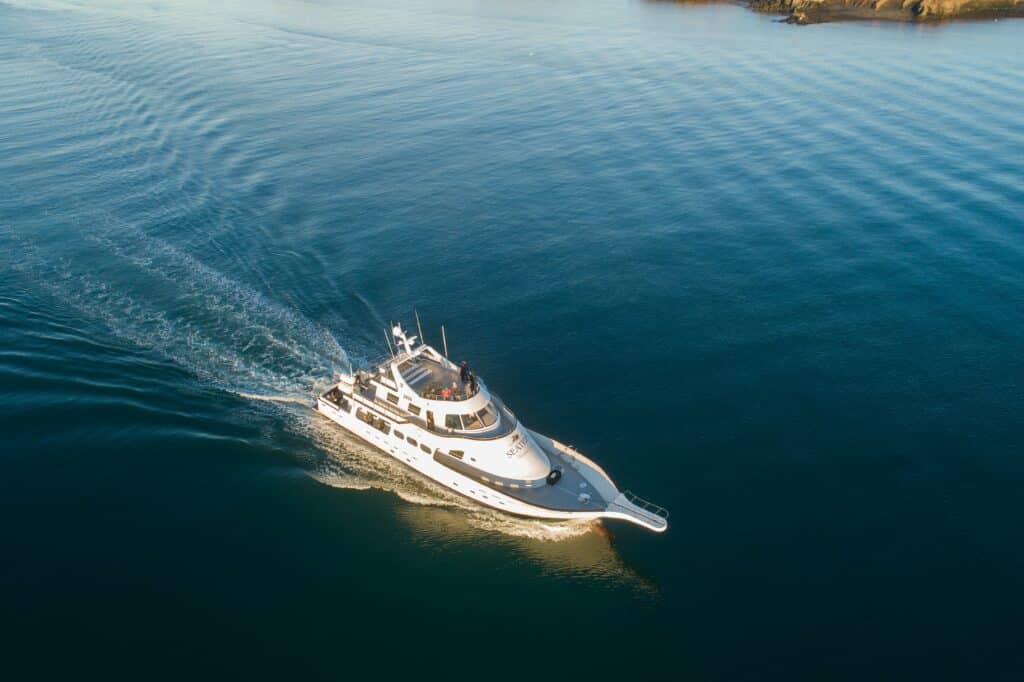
{"x":440,"y":419}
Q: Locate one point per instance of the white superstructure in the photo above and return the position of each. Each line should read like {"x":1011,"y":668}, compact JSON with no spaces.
{"x":421,"y":409}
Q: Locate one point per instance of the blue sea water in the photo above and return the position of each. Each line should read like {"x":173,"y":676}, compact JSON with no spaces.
{"x":771,"y":277}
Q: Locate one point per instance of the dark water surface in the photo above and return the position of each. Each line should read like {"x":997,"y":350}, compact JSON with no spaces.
{"x":771,"y":277}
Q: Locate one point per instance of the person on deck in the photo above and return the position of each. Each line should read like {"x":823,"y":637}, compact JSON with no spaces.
{"x":464,"y":371}
{"x":472,"y":383}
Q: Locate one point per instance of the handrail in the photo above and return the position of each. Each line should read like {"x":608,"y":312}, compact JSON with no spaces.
{"x":645,"y":505}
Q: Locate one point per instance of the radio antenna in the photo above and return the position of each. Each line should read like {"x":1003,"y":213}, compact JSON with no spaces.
{"x":444,"y":340}
{"x":418,"y":327}
{"x":388,"y":339}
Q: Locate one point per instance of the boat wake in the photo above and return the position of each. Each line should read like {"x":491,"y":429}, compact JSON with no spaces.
{"x":158,"y":298}
{"x":283,"y":399}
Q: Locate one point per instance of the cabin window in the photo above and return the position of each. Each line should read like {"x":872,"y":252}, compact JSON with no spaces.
{"x":425,"y":448}
{"x":399,"y":435}
{"x":411,"y":440}
{"x":452,"y":421}
{"x":414,"y":409}
{"x":392,"y":398}
{"x":472,"y":421}
{"x":457,"y":454}
{"x":383,"y":426}
{"x":487,"y":415}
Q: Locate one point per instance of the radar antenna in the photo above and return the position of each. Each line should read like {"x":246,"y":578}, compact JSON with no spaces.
{"x":401,"y":340}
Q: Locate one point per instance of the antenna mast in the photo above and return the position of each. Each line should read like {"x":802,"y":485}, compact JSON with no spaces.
{"x":388,"y":339}
{"x":418,"y":327}
{"x":444,"y":340}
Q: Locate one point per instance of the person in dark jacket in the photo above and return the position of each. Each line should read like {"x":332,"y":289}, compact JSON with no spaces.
{"x":464,"y":371}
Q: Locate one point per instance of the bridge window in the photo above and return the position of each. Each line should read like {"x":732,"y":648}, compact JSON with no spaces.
{"x":414,"y":409}
{"x":487,"y":415}
{"x":452,"y":421}
{"x":392,"y":398}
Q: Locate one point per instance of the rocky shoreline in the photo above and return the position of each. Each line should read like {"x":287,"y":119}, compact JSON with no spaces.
{"x":821,"y":11}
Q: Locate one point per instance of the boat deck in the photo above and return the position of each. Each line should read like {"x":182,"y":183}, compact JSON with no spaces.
{"x":427,"y":377}
{"x":562,"y":496}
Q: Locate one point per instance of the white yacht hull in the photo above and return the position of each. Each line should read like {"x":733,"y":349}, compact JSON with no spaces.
{"x":422,"y":461}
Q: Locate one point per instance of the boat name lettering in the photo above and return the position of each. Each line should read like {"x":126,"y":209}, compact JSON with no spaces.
{"x":516,"y":449}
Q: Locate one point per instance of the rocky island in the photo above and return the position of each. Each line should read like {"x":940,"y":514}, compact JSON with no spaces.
{"x":819,"y":11}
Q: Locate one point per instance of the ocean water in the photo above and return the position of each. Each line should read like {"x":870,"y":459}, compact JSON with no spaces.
{"x":771,"y":277}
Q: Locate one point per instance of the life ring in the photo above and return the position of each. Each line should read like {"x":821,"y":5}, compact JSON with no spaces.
{"x":555,"y":476}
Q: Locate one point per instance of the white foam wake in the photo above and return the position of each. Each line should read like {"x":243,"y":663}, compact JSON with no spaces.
{"x":154,"y":296}
{"x":284,"y":399}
